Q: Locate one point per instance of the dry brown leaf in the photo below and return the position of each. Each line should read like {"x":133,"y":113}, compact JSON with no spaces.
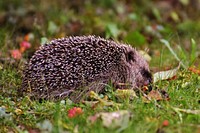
{"x":156,"y":95}
{"x":194,"y":70}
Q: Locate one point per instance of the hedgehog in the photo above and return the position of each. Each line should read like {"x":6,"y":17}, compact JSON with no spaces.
{"x":71,"y":67}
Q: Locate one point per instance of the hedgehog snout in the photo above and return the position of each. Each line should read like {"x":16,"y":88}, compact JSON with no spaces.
{"x":147,"y":82}
{"x":147,"y":77}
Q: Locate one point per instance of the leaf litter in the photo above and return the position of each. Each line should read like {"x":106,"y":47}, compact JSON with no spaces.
{"x":118,"y":120}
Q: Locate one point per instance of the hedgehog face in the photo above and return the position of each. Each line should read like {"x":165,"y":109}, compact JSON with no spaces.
{"x":138,"y":73}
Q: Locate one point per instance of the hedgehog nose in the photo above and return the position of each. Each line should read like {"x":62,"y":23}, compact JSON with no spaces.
{"x":148,"y":81}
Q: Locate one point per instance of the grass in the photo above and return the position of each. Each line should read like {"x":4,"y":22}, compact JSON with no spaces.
{"x":23,"y":114}
{"x":20,"y":114}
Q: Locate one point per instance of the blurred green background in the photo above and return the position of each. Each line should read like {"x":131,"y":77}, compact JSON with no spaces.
{"x":140,"y":23}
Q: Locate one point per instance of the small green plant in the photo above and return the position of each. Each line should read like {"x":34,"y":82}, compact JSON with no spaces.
{"x":186,"y":59}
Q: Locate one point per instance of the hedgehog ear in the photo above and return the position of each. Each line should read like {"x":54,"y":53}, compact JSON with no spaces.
{"x":130,"y":56}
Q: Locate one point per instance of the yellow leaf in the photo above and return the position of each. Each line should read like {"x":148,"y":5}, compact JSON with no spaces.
{"x":18,"y":111}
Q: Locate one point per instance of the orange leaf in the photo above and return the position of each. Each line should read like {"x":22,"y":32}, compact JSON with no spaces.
{"x":194,"y":70}
{"x":22,"y":49}
{"x":26,"y":37}
{"x":75,"y":111}
{"x":145,"y":88}
{"x":79,"y":110}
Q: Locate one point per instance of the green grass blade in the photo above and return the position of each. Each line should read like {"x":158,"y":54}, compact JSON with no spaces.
{"x":166,"y":43}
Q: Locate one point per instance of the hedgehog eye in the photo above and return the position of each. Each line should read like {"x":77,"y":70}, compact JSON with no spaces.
{"x":130,"y":56}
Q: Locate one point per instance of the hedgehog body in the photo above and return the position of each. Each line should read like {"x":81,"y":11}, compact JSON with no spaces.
{"x":71,"y":67}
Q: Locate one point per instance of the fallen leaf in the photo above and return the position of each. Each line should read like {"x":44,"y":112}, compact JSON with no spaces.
{"x":76,"y":129}
{"x":94,"y":95}
{"x":163,"y":75}
{"x":43,"y":40}
{"x":16,"y":54}
{"x":194,"y":70}
{"x":45,"y":126}
{"x":125,"y":94}
{"x":175,"y":16}
{"x":93,"y":119}
{"x":145,"y":88}
{"x":157,"y":95}
{"x":22,"y":49}
{"x":28,"y":37}
{"x":25,"y":44}
{"x":79,"y":111}
{"x":101,"y":102}
{"x":75,"y":111}
{"x":52,"y":27}
{"x":113,"y":120}
{"x":18,"y":111}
